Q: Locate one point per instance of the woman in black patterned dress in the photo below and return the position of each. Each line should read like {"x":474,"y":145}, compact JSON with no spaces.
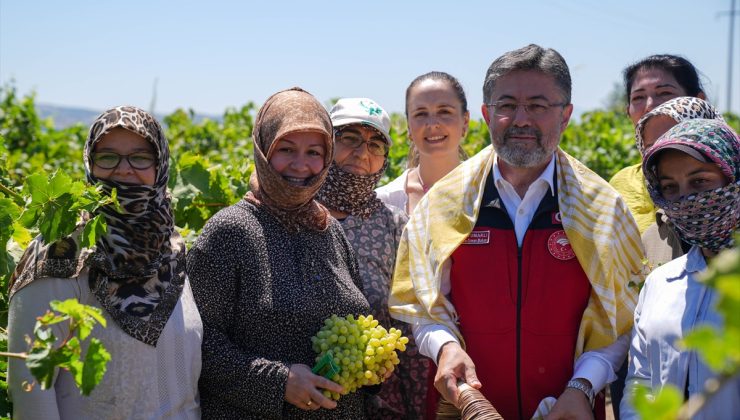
{"x":268,"y":270}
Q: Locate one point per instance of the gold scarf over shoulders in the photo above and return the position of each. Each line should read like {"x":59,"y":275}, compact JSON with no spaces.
{"x":596,"y":221}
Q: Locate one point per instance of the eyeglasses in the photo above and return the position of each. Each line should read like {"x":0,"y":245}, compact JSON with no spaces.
{"x":111,"y":160}
{"x":534,"y":109}
{"x":352,"y":140}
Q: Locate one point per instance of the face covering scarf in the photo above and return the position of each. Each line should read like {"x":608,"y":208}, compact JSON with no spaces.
{"x":350,"y":193}
{"x":707,"y":219}
{"x":137,"y":269}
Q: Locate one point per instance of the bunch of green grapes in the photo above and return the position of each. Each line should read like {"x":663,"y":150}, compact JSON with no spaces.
{"x":364,"y":351}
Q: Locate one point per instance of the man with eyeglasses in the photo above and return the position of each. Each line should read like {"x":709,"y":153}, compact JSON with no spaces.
{"x":514,"y":269}
{"x":362,"y":141}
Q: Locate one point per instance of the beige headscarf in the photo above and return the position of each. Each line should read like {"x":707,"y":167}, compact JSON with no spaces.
{"x":289,"y":111}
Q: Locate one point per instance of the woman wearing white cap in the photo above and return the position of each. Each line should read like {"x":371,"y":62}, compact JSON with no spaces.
{"x":362,"y":142}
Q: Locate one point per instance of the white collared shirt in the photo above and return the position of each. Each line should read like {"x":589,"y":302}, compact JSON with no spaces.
{"x":521,"y":210}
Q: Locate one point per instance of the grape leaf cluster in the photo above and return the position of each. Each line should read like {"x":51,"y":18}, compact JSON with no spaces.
{"x":364,"y":351}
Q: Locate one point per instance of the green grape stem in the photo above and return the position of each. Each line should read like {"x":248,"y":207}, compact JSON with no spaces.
{"x":16,"y":197}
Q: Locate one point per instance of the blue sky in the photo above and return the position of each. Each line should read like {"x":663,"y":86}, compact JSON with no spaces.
{"x":211,"y":55}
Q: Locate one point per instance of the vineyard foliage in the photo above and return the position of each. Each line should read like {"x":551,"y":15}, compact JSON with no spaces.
{"x":42,"y":185}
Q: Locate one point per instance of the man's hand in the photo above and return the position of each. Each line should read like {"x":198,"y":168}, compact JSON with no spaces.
{"x":454,"y":365}
{"x":572,"y":405}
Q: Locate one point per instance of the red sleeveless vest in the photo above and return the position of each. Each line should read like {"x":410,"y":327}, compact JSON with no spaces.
{"x":519,"y":308}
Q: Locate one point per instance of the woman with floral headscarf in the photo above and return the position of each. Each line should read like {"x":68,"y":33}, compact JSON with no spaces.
{"x":662,"y":243}
{"x":135,"y":273}
{"x":629,"y":181}
{"x":655,"y":107}
{"x":693,"y":174}
{"x":269,"y":270}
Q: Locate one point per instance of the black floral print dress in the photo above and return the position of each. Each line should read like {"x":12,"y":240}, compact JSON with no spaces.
{"x":262,"y":293}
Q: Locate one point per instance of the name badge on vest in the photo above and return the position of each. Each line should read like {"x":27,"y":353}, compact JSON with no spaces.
{"x":559,"y":246}
{"x":556,"y":218}
{"x":478,"y":237}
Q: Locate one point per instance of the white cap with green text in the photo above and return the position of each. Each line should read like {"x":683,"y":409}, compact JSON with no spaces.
{"x":361,"y":111}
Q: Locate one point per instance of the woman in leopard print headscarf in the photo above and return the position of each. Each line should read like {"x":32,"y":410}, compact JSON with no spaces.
{"x":135,"y":272}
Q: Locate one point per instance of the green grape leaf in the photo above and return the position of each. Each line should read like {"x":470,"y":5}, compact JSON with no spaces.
{"x":9,"y":211}
{"x":186,"y":213}
{"x":59,"y":185}
{"x":174,"y":174}
{"x":112,"y":201}
{"x":36,"y":186}
{"x":57,"y":221}
{"x":41,"y":363}
{"x":87,"y":198}
{"x":94,"y":229}
{"x":95,"y":365}
{"x":78,"y":188}
{"x":83,"y":316}
{"x":21,"y":235}
{"x":50,"y":318}
{"x":42,"y":359}
{"x":663,"y":406}
{"x":721,"y":350}
{"x":7,"y":265}
{"x":51,"y":201}
{"x":711,"y":346}
{"x":69,"y":356}
{"x":92,"y":198}
{"x":193,"y":171}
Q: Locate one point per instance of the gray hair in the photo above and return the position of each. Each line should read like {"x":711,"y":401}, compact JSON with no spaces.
{"x":531,"y":57}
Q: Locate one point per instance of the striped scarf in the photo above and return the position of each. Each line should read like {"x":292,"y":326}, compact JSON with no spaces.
{"x":599,"y":227}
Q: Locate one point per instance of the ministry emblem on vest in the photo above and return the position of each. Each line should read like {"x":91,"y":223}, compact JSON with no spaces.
{"x":559,"y":246}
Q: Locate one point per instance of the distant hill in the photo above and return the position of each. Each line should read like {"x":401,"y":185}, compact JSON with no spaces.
{"x":65,"y":116}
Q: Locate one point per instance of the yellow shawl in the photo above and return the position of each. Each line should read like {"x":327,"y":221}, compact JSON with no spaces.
{"x":599,"y":227}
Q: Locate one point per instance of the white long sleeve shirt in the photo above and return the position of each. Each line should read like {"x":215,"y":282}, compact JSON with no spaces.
{"x":141,"y":381}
